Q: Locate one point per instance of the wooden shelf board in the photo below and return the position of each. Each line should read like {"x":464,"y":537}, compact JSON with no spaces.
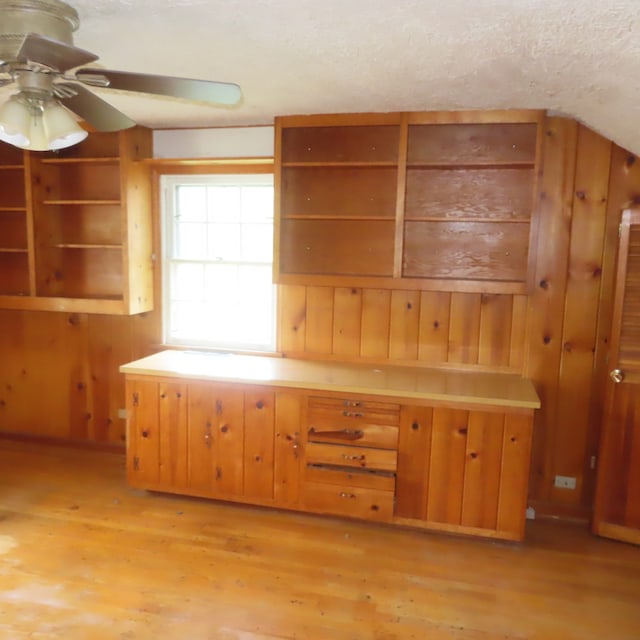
{"x":92,"y":160}
{"x":461,"y":166}
{"x":346,"y":164}
{"x":13,"y":250}
{"x":69,"y":245}
{"x":390,"y":217}
{"x":468,"y":219}
{"x":82,"y":202}
{"x":11,"y":167}
{"x":13,"y":209}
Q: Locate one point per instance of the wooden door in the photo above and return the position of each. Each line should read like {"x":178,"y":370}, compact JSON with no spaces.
{"x":617,"y":511}
{"x":143,"y":434}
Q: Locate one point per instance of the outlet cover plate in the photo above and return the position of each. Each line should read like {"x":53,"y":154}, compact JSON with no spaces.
{"x":564,"y":482}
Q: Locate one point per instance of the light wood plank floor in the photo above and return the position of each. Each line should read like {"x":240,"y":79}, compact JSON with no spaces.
{"x":82,"y":556}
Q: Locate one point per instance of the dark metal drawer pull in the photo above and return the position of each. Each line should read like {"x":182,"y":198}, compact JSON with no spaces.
{"x":346,"y":456}
{"x":344,"y":494}
{"x":353,"y":414}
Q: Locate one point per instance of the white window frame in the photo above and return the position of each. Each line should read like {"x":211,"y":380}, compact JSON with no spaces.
{"x":168,"y":183}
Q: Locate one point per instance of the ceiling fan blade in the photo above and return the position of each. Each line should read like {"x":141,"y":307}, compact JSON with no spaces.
{"x":91,"y":108}
{"x":53,"y":53}
{"x":200,"y":90}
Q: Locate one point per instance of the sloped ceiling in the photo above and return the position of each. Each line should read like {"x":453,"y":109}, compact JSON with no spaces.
{"x":579,"y":58}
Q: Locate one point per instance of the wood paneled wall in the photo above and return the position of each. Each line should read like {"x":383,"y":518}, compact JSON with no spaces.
{"x":59,"y":372}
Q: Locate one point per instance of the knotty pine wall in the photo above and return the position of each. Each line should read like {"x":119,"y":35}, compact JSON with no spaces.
{"x":59,"y":372}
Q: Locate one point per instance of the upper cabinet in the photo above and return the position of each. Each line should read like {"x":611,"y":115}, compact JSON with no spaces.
{"x":408,"y":200}
{"x":75,"y":226}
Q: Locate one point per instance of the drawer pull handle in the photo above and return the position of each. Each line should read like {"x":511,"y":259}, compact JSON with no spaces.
{"x":347,"y":456}
{"x":353,"y":414}
{"x":352,"y":403}
{"x":344,"y":494}
{"x":340,"y":434}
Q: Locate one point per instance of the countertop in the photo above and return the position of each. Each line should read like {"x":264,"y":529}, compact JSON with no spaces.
{"x":481,"y":388}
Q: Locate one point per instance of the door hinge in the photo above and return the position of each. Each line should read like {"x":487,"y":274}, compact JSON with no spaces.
{"x":136,"y":399}
{"x":620,"y":230}
{"x":136,"y":464}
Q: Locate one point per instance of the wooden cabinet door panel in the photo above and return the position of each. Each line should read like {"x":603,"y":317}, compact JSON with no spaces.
{"x":172,"y":401}
{"x":216,"y":439}
{"x":414,"y":456}
{"x":259,"y":438}
{"x":143,"y":433}
{"x":446,"y":471}
{"x":482,"y":470}
{"x":287,"y":452}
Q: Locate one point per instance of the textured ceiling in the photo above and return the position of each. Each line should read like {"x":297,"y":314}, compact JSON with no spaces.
{"x":575,"y":57}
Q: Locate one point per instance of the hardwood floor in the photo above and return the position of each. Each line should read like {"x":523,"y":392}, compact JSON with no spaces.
{"x":82,"y":556}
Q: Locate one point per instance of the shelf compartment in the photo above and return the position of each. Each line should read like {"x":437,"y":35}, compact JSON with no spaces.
{"x":459,"y":144}
{"x":337,"y":247}
{"x":13,"y":230}
{"x":11,"y":156}
{"x":71,"y":273}
{"x":482,"y":194}
{"x":14,"y":273}
{"x":13,"y":188}
{"x":90,"y":182}
{"x":82,"y":224}
{"x":96,"y":145}
{"x":485,"y":251}
{"x":336,"y":191}
{"x":366,"y":143}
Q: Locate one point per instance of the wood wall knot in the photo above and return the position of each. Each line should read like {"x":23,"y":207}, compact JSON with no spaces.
{"x":224,"y":428}
{"x":415,"y":426}
{"x":630,"y":161}
{"x":568,"y":347}
{"x":74,"y":319}
{"x":581,"y":195}
{"x":544,"y":284}
{"x":546,"y":339}
{"x":260,"y":404}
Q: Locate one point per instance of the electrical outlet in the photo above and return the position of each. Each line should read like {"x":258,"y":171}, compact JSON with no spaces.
{"x":564,"y":482}
{"x":122,"y":414}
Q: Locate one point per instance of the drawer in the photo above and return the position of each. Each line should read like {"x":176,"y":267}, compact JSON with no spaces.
{"x":381,"y":480}
{"x":354,"y":409}
{"x":350,"y":432}
{"x":357,"y":457}
{"x":355,"y":502}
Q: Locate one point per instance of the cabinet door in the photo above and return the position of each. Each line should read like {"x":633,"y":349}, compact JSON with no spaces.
{"x":216,"y":439}
{"x":464,"y":470}
{"x":172,"y":412}
{"x":259,"y":425}
{"x":143,"y":434}
{"x":287,"y":453}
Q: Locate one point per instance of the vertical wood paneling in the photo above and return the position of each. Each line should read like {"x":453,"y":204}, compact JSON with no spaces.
{"x":414,"y":453}
{"x":496,"y":315}
{"x":404,"y":325}
{"x":259,"y":440}
{"x":446,"y":474}
{"x":515,"y":458}
{"x":570,"y":448}
{"x":464,"y":328}
{"x":482,"y":472}
{"x":200,"y":464}
{"x":319,"y":329}
{"x":519,"y":320}
{"x":433,"y":334}
{"x":292,"y":310}
{"x":172,"y":421}
{"x":376,"y":308}
{"x":546,"y":303}
{"x":347,"y":317}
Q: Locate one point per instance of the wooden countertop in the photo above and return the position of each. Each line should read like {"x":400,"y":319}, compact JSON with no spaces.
{"x":480,"y":388}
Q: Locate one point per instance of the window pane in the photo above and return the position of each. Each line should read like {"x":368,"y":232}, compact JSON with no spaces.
{"x":187,"y":282}
{"x":257,"y":243}
{"x":191,"y":203}
{"x":190,"y":241}
{"x":224,"y":204}
{"x":224,"y":241}
{"x":257,"y":204}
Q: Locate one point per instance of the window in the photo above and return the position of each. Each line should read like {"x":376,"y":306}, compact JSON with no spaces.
{"x":218,"y":255}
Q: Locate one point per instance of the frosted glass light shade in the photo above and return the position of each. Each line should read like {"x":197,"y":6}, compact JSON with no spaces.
{"x":15,"y":123}
{"x":37,"y":133}
{"x":61,"y":129}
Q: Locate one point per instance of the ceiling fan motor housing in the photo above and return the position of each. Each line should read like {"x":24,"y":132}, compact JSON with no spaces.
{"x":49,"y":18}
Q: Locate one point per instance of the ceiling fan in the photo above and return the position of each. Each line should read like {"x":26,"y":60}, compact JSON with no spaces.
{"x":37,"y":54}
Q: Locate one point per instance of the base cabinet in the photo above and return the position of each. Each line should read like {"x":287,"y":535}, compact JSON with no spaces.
{"x":446,"y":468}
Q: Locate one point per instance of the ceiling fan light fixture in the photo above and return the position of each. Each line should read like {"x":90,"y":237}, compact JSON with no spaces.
{"x":15,"y":122}
{"x":61,"y":128}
